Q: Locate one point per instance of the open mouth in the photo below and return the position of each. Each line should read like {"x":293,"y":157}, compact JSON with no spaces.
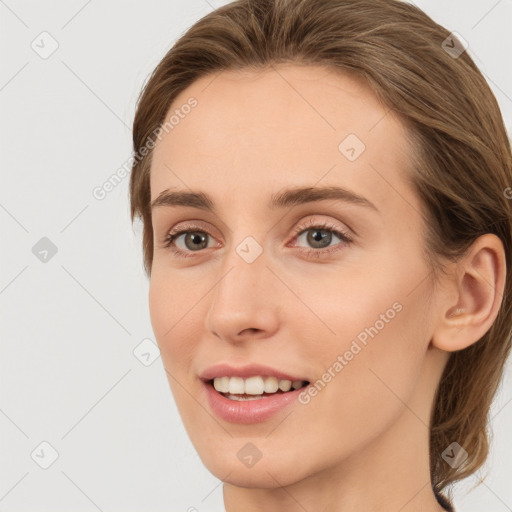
{"x":253,"y":388}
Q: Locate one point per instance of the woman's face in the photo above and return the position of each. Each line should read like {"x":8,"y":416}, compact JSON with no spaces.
{"x":274,"y":285}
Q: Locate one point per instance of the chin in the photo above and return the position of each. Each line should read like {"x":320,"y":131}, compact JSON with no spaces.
{"x":267,"y":473}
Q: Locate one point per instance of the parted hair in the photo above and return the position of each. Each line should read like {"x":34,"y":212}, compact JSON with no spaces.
{"x":460,"y":163}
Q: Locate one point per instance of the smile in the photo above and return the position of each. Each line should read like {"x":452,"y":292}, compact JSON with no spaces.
{"x":250,"y":408}
{"x":254,"y":388}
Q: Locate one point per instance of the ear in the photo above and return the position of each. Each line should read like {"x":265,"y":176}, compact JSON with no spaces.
{"x":472,"y":297}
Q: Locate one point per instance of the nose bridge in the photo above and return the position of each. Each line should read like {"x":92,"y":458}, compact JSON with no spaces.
{"x":243,"y":269}
{"x":243,"y":297}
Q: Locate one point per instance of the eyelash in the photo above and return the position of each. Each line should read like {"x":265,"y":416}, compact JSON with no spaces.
{"x":317,"y":253}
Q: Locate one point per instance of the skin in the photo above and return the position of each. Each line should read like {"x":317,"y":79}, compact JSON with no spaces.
{"x":362,"y":442}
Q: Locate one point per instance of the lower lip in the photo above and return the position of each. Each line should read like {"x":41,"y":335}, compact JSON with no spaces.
{"x":249,"y":411}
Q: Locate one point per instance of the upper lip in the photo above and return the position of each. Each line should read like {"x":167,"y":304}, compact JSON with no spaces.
{"x":250,"y":370}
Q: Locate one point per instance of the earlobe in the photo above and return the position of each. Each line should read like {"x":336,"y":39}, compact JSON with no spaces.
{"x":470,"y":302}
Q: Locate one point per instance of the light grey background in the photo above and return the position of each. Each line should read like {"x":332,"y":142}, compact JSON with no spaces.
{"x":69,"y":376}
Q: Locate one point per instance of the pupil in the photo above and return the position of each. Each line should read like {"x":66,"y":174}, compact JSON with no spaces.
{"x":196,"y":238}
{"x":318,"y":238}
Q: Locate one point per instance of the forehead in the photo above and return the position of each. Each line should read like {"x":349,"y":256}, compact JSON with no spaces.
{"x":251,"y":130}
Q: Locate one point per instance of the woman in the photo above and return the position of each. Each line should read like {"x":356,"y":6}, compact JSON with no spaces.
{"x":327,"y":230}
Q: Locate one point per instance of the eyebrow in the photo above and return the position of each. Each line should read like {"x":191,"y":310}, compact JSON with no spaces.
{"x":287,"y":198}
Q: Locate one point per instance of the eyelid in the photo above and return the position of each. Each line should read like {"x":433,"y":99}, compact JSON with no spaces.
{"x":344,"y":235}
{"x":187,"y":226}
{"x":322,"y":224}
{"x":190,"y":225}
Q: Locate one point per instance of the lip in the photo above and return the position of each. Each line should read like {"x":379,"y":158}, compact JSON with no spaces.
{"x":226,"y":370}
{"x":250,"y":411}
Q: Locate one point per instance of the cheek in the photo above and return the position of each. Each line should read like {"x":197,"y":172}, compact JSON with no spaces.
{"x":173,"y":322}
{"x":171,"y":319}
{"x":160,"y":305}
{"x":379,"y":326}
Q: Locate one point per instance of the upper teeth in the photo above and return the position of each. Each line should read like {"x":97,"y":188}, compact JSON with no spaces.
{"x":253,"y":385}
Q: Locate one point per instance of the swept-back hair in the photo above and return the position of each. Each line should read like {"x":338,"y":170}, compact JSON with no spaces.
{"x":460,"y":166}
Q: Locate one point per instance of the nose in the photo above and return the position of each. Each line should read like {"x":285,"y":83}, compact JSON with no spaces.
{"x":244,"y":303}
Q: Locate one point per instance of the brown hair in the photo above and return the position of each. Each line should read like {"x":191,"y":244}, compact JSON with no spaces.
{"x":461,"y":165}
